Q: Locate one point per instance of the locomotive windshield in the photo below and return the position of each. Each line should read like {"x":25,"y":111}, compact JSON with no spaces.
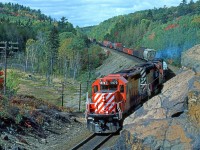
{"x":109,"y":87}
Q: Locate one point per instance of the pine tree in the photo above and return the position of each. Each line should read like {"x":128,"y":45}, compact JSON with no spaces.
{"x":150,"y":15}
{"x":53,"y":48}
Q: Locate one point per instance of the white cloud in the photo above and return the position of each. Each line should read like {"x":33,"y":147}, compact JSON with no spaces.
{"x":91,"y":12}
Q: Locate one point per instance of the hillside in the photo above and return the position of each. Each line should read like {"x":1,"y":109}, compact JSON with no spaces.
{"x":19,"y":23}
{"x":16,"y":12}
{"x":45,"y":46}
{"x":167,"y":30}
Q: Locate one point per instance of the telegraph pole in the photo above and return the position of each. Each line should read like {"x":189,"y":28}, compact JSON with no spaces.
{"x":4,"y":48}
{"x":12,"y":46}
{"x":89,"y":69}
{"x":5,"y":68}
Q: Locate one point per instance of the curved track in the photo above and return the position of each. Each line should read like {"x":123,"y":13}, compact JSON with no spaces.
{"x":93,"y":142}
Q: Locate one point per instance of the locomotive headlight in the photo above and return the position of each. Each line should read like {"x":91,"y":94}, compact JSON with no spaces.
{"x":114,"y":81}
{"x":101,"y":82}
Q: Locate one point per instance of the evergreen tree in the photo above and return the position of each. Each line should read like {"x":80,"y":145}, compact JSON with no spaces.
{"x":53,"y":48}
{"x":150,"y":15}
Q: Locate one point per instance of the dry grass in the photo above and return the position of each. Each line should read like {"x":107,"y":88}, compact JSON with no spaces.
{"x":37,"y":86}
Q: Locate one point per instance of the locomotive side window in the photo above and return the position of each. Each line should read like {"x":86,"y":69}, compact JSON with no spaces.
{"x":121,"y":88}
{"x":95,"y":88}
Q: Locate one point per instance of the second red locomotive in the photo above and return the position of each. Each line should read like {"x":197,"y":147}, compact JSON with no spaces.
{"x":115,"y":94}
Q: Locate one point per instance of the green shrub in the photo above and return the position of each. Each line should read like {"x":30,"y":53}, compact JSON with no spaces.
{"x":12,"y":83}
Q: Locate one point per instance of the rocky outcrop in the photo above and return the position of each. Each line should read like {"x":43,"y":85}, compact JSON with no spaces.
{"x":194,"y":100}
{"x":169,"y":120}
{"x":191,"y":58}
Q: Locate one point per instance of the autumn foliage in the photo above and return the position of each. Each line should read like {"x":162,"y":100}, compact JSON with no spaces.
{"x":171,"y":26}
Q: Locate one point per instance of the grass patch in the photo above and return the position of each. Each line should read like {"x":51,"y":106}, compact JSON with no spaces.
{"x":35,"y":85}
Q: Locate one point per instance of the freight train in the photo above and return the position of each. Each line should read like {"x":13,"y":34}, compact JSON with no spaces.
{"x":114,"y":95}
{"x":142,"y":53}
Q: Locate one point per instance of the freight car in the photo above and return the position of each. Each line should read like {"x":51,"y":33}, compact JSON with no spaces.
{"x":115,"y":94}
{"x":142,"y":53}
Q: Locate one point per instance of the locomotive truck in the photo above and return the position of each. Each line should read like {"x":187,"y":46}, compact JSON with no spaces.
{"x":114,"y":95}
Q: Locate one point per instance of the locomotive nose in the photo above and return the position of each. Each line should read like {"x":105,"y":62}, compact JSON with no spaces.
{"x":104,"y":103}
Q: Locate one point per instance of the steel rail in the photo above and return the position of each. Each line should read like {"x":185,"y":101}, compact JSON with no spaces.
{"x":83,"y":142}
{"x":96,"y":143}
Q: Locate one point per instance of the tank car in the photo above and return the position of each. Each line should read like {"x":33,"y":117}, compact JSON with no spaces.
{"x":149,"y":54}
{"x":115,"y":94}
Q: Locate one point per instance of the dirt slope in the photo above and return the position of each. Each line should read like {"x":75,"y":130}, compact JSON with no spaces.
{"x":115,"y":62}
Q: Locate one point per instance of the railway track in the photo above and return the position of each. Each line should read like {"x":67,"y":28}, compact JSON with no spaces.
{"x":93,"y":142}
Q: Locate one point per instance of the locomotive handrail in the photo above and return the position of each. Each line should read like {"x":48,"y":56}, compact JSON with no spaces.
{"x":151,"y":82}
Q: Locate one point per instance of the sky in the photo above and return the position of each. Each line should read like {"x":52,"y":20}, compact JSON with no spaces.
{"x":84,"y":13}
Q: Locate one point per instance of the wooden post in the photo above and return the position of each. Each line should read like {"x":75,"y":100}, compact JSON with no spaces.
{"x":62,"y":96}
{"x":79,"y":99}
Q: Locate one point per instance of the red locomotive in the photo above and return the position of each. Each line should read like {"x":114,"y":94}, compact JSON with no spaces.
{"x":115,"y":94}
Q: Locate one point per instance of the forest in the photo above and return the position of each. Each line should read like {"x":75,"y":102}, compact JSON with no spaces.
{"x":46,"y":46}
{"x":169,"y":30}
{"x":56,"y":48}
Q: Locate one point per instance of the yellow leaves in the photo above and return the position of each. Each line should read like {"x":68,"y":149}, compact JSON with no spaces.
{"x":30,"y":42}
{"x":64,"y":49}
{"x":196,"y":20}
{"x":152,"y":36}
{"x":29,"y":45}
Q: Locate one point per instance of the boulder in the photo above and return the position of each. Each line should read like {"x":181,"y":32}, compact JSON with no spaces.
{"x":168,"y":120}
{"x":191,"y":58}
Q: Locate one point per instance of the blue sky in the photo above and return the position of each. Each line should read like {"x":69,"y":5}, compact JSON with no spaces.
{"x":91,"y":12}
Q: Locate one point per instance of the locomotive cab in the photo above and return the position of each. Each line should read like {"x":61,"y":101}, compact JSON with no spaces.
{"x":104,"y":111}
